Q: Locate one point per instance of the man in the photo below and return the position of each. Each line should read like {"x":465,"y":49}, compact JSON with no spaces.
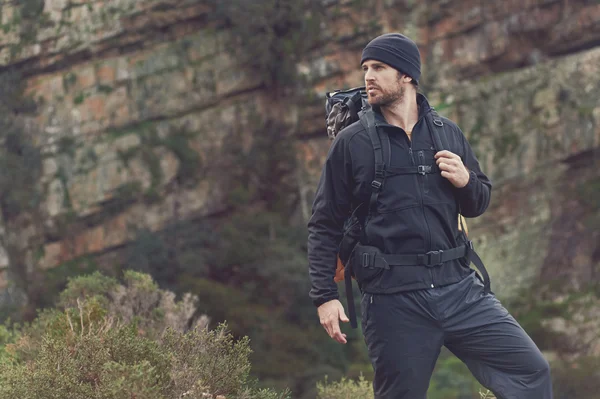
{"x":410,"y":310}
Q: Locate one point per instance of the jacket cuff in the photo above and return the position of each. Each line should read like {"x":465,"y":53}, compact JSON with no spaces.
{"x":468,"y":189}
{"x":318,"y":302}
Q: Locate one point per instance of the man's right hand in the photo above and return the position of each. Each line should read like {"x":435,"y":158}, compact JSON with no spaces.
{"x":330,"y":314}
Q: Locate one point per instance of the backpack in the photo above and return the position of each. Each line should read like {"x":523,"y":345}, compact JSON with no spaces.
{"x":342,"y":108}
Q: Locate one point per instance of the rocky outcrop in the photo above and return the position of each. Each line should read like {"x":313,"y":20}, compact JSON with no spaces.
{"x":139,"y":102}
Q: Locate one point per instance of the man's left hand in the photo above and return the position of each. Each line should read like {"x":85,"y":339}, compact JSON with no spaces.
{"x":452,"y":168}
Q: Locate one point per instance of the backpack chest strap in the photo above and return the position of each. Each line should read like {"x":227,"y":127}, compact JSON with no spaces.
{"x":413,"y":170}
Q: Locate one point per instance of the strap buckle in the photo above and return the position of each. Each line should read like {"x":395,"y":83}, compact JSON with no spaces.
{"x":376,"y":184}
{"x":366,"y":259}
{"x":434,"y":258}
{"x":424,"y":169}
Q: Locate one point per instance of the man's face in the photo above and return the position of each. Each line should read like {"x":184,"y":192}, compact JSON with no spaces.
{"x":384,"y":84}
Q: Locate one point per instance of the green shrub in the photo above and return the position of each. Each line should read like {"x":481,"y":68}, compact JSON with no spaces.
{"x":363,"y":389}
{"x":345,"y":389}
{"x":124,"y":341}
{"x":102,"y":362}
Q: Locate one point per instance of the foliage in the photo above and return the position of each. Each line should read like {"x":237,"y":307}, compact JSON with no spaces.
{"x":20,"y":192}
{"x":264,"y":171}
{"x":98,"y":343}
{"x":137,"y":301}
{"x":249,"y":267}
{"x":345,"y":389}
{"x":271,"y":36}
{"x":149,"y":253}
{"x":251,"y":272}
{"x":256,"y":280}
{"x":7,"y":336}
{"x":578,"y":378}
{"x":20,"y":159}
{"x":212,"y":358}
{"x":45,"y":287}
{"x":531,"y":310}
{"x":452,"y":379}
{"x":363,"y":389}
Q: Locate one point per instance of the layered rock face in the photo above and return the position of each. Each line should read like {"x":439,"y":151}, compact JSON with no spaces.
{"x":138,"y":102}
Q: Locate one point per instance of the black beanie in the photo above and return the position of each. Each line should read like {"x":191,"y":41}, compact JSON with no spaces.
{"x":396,"y":50}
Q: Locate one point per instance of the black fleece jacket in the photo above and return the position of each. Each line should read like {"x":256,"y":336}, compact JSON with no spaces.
{"x":415,"y":213}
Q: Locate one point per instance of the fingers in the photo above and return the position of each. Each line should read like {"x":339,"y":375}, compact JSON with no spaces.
{"x":449,"y":162}
{"x":455,"y":172}
{"x":448,"y":171}
{"x":447,"y":166}
{"x":330,"y":314}
{"x":343,"y":316}
{"x":446,"y":154}
{"x":327,"y":326}
{"x":332,"y":326}
{"x":452,"y":161}
{"x":337,"y":333}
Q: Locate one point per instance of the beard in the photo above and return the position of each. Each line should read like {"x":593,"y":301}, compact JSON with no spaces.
{"x":388,"y":97}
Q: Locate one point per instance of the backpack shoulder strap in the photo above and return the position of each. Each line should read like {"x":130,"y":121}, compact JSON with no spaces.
{"x":437,"y":130}
{"x":367,"y":118}
{"x":440,"y":140}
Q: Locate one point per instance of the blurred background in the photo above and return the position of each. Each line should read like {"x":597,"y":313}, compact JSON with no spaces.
{"x":184,"y":139}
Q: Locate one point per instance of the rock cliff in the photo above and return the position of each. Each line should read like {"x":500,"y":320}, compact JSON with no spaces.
{"x":138,"y":104}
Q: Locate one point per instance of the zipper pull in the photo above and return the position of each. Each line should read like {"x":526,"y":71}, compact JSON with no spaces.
{"x":371,"y":298}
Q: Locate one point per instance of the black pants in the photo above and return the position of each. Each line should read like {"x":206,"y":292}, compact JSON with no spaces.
{"x":404,"y":333}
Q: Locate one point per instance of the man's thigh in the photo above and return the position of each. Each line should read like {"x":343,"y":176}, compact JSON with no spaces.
{"x":482,"y":333}
{"x":404,"y":340}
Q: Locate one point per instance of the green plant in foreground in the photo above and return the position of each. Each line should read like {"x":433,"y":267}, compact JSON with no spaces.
{"x":487,"y":395}
{"x":359,"y":389}
{"x":95,"y":347}
{"x":345,"y":389}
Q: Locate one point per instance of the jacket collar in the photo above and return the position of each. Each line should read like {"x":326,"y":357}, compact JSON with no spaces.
{"x":422,"y":103}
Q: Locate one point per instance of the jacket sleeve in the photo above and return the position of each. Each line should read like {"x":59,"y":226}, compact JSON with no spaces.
{"x":331,"y":207}
{"x":474,"y":198}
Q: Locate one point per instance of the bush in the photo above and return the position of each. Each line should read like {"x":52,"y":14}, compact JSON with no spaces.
{"x":101,"y":362}
{"x":345,"y":389}
{"x":363,"y":389}
{"x":125,"y":341}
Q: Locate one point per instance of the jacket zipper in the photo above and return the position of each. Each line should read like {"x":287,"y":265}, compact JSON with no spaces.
{"x":412,"y":159}
{"x":428,"y":243}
